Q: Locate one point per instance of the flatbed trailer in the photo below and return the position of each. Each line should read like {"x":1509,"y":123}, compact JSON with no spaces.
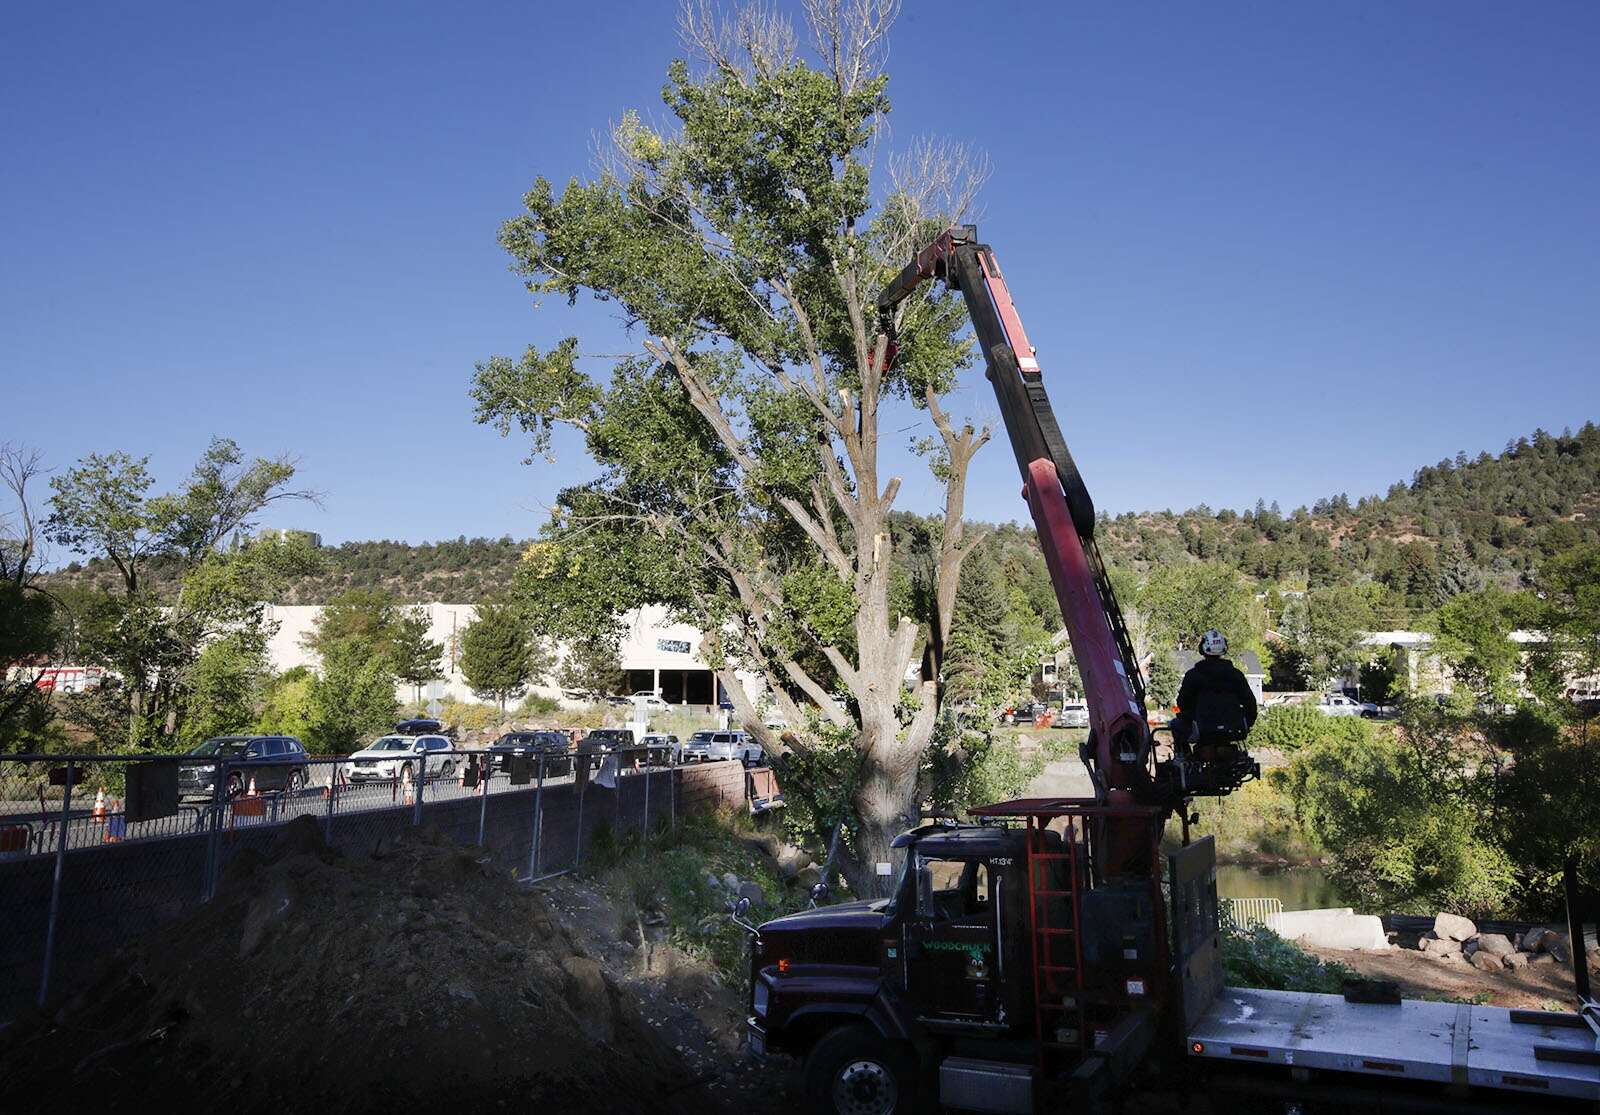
{"x":1536,"y":1053}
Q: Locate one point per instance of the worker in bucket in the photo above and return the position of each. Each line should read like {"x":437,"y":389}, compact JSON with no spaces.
{"x":1216,"y":705}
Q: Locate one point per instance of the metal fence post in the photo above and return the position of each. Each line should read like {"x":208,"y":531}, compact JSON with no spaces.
{"x":55,"y":885}
{"x":485,"y":772}
{"x":583,"y":786}
{"x":672,"y":795}
{"x":538,"y":821}
{"x":422,"y":785}
{"x":218,"y":799}
{"x":648,"y":773}
{"x":333,"y":790}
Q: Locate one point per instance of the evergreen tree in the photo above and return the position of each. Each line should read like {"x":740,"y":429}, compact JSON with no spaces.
{"x":498,"y":654}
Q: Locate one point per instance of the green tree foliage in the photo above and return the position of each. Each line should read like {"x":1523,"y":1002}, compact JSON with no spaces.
{"x":286,"y":707}
{"x":1324,"y":628}
{"x":1184,"y":600}
{"x":1568,"y":617}
{"x":33,"y":627}
{"x":1164,"y":682}
{"x":350,"y":699}
{"x":1403,"y":849}
{"x":739,"y":453}
{"x":1379,"y":678}
{"x":226,"y":684}
{"x":417,"y":658}
{"x":499,"y":655}
{"x":103,"y":506}
{"x":591,"y":668}
{"x":1474,"y":638}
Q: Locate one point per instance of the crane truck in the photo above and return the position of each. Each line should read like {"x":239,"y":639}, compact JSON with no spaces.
{"x":1048,"y":954}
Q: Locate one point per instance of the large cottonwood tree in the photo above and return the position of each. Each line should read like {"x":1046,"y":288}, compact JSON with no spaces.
{"x":741,"y":451}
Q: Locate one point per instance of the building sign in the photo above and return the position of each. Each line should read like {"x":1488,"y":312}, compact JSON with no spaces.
{"x":673,"y":646}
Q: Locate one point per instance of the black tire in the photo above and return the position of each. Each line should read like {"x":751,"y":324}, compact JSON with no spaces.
{"x":447,"y":770}
{"x":405,"y":771}
{"x":297,"y":781}
{"x":235,"y":785}
{"x":854,"y":1071}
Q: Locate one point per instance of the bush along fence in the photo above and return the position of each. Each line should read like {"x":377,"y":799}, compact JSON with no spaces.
{"x":95,"y":850}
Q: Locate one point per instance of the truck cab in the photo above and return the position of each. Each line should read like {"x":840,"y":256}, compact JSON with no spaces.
{"x":966,"y":980}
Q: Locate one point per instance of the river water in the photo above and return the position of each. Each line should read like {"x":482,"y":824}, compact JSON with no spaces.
{"x":1298,"y":888}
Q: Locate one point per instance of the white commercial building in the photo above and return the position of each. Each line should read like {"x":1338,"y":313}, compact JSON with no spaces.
{"x":656,"y":655}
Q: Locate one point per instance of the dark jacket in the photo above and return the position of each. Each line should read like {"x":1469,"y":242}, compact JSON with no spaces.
{"x":1214,"y":689}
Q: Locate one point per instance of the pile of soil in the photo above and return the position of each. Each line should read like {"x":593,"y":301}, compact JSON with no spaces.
{"x":412,"y":974}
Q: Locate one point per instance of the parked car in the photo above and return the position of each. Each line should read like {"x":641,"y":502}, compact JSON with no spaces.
{"x":554,"y":746}
{"x":733,"y":745}
{"x":606,"y":739}
{"x":271,"y":762}
{"x":651,"y":701}
{"x":402,"y":757}
{"x":663,"y":748}
{"x":1337,"y":704}
{"x":420,"y":728}
{"x":1073,"y":714}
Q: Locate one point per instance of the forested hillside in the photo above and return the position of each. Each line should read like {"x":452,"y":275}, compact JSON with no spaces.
{"x":1457,"y":524}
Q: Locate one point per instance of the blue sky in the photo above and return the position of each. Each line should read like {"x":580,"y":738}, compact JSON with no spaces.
{"x":1277,"y":250}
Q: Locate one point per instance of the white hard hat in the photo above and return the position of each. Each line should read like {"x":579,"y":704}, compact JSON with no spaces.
{"x":1213,"y":643}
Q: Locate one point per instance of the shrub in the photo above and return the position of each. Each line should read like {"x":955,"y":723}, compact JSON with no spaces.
{"x":1288,"y":728}
{"x":535,"y":704}
{"x":1260,"y":958}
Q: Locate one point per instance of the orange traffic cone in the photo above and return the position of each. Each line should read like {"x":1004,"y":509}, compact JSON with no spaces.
{"x":252,"y":792}
{"x":100,"y":804}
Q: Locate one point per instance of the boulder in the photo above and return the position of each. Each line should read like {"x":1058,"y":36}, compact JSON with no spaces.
{"x":1455,"y":927}
{"x":1541,"y":958}
{"x":1533,"y":939}
{"x":1515,"y":960}
{"x":1487,"y":963}
{"x":730,"y":881}
{"x":753,"y":892}
{"x":589,"y":996}
{"x":1495,"y":944}
{"x":1558,"y":946}
{"x":1469,"y":947}
{"x":712,"y":881}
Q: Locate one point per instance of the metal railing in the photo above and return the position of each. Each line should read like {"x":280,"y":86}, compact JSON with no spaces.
{"x":1248,"y":913}
{"x":95,"y":849}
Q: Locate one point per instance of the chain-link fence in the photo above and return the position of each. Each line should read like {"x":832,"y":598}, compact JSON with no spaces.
{"x":95,"y":850}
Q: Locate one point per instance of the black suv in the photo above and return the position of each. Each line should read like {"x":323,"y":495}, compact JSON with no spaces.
{"x":552,"y":745}
{"x":271,"y":762}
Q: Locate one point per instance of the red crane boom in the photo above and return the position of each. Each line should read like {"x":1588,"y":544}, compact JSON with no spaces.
{"x":1119,"y":752}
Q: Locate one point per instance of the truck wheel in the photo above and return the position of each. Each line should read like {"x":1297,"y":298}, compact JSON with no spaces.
{"x":853,"y":1071}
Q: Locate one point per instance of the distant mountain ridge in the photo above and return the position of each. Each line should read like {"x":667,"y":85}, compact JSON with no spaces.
{"x":1490,"y":517}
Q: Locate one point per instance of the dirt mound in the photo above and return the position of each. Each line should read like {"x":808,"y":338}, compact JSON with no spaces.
{"x":413,"y":975}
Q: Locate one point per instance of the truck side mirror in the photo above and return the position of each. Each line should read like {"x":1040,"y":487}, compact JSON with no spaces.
{"x":741,"y":908}
{"x":819,"y":891}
